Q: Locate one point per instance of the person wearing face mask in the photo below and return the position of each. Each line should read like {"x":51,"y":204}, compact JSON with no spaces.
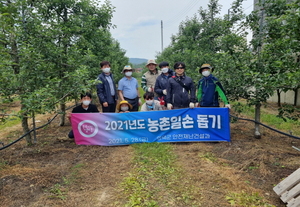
{"x":210,"y":88}
{"x":84,"y":107}
{"x":161,"y":82}
{"x":128,"y":89}
{"x":180,"y":89}
{"x":150,"y":104}
{"x":124,"y":107}
{"x":106,"y":89}
{"x":149,"y":78}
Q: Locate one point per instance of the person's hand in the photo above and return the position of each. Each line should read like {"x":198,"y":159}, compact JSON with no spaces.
{"x":169,"y":106}
{"x":165,"y":92}
{"x":197,"y":104}
{"x":150,"y":89}
{"x":228,"y":106}
{"x":105,"y":104}
{"x":140,"y":101}
{"x":192,"y":105}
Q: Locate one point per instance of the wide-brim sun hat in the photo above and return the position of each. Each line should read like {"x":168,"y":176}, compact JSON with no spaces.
{"x":123,"y":102}
{"x":204,"y":66}
{"x":151,"y":62}
{"x":127,"y":67}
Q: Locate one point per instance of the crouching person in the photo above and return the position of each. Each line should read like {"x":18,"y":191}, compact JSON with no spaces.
{"x":124,"y":107}
{"x":84,"y":107}
{"x":150,"y":104}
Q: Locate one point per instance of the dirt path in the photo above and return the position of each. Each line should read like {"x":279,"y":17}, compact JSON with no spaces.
{"x":56,"y":173}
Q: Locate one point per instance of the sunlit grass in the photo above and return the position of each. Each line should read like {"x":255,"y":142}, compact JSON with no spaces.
{"x":154,"y":176}
{"x":9,"y":123}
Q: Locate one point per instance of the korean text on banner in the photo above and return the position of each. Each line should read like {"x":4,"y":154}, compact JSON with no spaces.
{"x":181,"y":125}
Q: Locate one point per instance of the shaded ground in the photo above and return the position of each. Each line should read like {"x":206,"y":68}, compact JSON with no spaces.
{"x":60,"y":173}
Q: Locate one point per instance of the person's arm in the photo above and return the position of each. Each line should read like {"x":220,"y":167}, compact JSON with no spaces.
{"x":100,"y":91}
{"x":221,"y":93}
{"x":120,"y":91}
{"x":193,"y":93}
{"x":157,"y":88}
{"x":95,"y":109}
{"x":143,"y":107}
{"x":144,"y":83}
{"x":121,"y":95}
{"x":139,"y":96}
{"x":138,"y":93}
{"x":199,"y":93}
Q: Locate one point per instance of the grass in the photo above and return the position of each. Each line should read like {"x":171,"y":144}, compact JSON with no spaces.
{"x":154,"y":177}
{"x":269,"y":119}
{"x":9,"y":123}
{"x":60,"y":190}
{"x":209,"y":156}
{"x":3,"y":164}
{"x":246,"y":199}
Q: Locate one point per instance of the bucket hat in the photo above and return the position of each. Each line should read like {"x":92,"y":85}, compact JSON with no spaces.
{"x":151,"y":62}
{"x":126,"y":67}
{"x":123,"y":102}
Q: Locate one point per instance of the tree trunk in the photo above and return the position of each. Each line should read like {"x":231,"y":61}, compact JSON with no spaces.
{"x":34,"y":126}
{"x":296,"y":96}
{"x":25,"y":127}
{"x":62,"y":117}
{"x":279,"y":98}
{"x":257,"y":134}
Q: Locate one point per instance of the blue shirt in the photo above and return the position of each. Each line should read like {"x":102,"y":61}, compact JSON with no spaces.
{"x":128,"y":87}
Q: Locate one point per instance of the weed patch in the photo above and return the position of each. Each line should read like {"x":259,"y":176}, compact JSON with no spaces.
{"x":245,"y":199}
{"x":155,"y":177}
{"x":60,"y":190}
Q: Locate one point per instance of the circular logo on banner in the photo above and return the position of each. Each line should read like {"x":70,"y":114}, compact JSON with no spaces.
{"x":88,"y":128}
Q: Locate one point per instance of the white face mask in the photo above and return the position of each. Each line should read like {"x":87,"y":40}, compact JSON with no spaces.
{"x":124,"y":108}
{"x":128,"y":73}
{"x":149,"y":102}
{"x":106,"y":70}
{"x":86,"y":102}
{"x":206,"y":73}
{"x":164,"y":70}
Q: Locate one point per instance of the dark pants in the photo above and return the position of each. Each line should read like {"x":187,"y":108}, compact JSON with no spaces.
{"x":111,"y":108}
{"x":134,"y":103}
{"x":71,"y":134}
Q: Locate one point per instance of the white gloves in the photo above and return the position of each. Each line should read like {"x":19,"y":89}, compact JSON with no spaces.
{"x":165,"y":92}
{"x":228,"y":106}
{"x":192,"y":105}
{"x":140,"y":102}
{"x":150,"y":89}
{"x":169,"y":106}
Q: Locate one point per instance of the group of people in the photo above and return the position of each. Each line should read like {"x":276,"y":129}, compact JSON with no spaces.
{"x":164,"y":89}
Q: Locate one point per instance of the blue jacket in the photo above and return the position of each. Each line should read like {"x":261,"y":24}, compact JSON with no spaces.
{"x":103,"y":90}
{"x":209,"y":90}
{"x":177,"y":95}
{"x":161,"y":83}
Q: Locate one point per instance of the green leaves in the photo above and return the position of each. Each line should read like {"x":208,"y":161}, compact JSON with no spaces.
{"x":50,"y":50}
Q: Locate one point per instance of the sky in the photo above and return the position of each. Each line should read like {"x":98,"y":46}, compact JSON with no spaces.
{"x":138,"y":22}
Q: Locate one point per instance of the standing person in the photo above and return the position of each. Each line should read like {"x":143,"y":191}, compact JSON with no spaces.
{"x":210,"y":88}
{"x":180,"y":89}
{"x":106,"y":90}
{"x":128,"y":89}
{"x":161,"y":82}
{"x":149,"y":78}
{"x":150,"y":104}
{"x":84,"y":107}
